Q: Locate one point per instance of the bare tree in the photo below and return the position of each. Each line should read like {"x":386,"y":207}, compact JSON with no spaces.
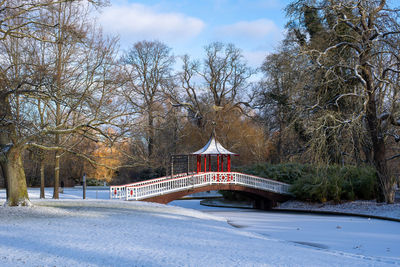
{"x":217,"y":84}
{"x":148,"y":74}
{"x":30,"y":93}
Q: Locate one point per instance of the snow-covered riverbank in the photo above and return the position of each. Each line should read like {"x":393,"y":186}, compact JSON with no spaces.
{"x":363,"y":207}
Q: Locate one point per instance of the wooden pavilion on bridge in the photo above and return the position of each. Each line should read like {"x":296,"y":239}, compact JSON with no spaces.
{"x":213,"y":157}
{"x":213,"y":149}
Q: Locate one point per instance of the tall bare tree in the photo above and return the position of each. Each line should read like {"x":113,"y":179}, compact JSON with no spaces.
{"x":90,"y":103}
{"x":148,"y":74}
{"x":218,"y":83}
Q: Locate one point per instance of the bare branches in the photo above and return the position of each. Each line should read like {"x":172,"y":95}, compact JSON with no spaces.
{"x":19,"y":18}
{"x":148,"y":77}
{"x":393,"y":157}
{"x":92,"y":161}
{"x":394,"y":122}
{"x":223,"y":76}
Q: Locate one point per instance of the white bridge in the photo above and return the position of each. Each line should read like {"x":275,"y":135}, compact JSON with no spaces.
{"x":156,"y":190}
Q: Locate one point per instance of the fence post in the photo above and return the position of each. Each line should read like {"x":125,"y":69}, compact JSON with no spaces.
{"x":84,"y":186}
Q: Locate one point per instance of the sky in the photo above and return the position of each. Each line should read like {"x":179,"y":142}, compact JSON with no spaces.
{"x":187,"y":26}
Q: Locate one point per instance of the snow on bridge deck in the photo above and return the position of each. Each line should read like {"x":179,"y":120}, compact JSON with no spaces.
{"x":151,"y":189}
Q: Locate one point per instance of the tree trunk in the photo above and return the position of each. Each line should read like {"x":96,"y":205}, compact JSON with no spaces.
{"x":16,"y":181}
{"x":150,"y":144}
{"x":367,"y":152}
{"x":56,"y":175}
{"x":386,"y":183}
{"x":60,"y":62}
{"x":4,"y":177}
{"x":279,"y":143}
{"x":378,"y":146}
{"x":10,"y":158}
{"x":42,"y":193}
{"x":356,"y":148}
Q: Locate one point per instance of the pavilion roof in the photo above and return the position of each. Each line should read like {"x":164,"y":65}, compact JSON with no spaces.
{"x":213,"y":147}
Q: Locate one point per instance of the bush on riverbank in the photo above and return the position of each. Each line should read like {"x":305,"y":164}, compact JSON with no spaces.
{"x":321,"y":183}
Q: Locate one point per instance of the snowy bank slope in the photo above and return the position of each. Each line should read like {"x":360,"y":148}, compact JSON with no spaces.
{"x":117,"y":233}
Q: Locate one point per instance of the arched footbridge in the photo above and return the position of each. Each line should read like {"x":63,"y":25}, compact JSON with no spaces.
{"x":166,"y":189}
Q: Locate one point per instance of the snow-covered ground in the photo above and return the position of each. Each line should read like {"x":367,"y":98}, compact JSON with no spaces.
{"x":73,"y":232}
{"x":356,"y":235}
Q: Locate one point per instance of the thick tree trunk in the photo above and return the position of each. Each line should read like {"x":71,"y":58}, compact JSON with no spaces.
{"x":386,"y":182}
{"x":16,"y":182}
{"x":378,"y":146}
{"x":10,"y":158}
{"x":42,"y":193}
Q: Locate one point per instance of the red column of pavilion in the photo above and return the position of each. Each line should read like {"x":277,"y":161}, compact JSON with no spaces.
{"x":199,"y":158}
{"x":220,"y":163}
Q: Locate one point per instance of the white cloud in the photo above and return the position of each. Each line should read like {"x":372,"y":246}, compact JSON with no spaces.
{"x":255,"y":58}
{"x":137,"y":21}
{"x":257,"y":29}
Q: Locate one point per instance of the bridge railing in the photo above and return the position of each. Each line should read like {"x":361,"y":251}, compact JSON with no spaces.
{"x":261,"y":183}
{"x":156,"y":187}
{"x":119,"y":191}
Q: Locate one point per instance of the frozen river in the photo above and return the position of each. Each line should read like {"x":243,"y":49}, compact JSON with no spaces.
{"x":346,"y":234}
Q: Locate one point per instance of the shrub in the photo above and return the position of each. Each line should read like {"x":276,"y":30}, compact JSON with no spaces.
{"x":287,"y":173}
{"x":321,"y":183}
{"x":94,"y":182}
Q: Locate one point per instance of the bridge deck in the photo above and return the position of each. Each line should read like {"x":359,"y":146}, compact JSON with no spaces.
{"x":166,"y":185}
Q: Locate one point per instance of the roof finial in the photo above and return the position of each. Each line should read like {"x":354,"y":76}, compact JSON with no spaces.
{"x":213,"y":133}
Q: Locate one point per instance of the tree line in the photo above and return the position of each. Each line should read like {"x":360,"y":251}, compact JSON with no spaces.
{"x":72,"y":103}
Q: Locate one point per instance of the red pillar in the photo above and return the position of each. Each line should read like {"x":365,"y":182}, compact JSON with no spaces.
{"x":218,"y":168}
{"x":198,"y":163}
{"x":209,"y":163}
{"x":205,"y":163}
{"x":228,"y":167}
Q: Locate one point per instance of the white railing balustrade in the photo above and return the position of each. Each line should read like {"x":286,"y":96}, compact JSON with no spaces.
{"x":156,"y":179}
{"x":164,"y":185}
{"x":118,"y":192}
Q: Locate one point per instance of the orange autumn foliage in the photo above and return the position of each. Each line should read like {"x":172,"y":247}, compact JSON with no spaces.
{"x":111,"y":157}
